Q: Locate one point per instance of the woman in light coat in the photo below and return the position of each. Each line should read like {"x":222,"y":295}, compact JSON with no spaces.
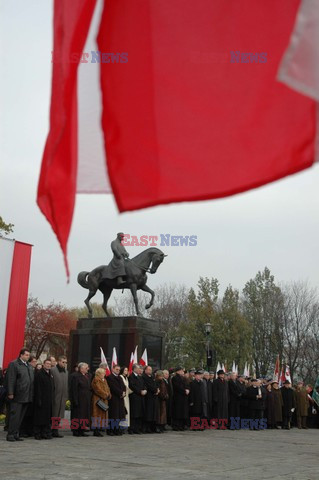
{"x":124,"y":376}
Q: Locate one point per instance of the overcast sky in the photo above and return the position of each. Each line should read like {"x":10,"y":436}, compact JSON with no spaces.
{"x":276,"y":225}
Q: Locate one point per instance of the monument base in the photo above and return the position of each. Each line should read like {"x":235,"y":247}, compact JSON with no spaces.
{"x":123,"y":333}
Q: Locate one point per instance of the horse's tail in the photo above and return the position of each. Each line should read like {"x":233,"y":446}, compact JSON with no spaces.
{"x":82,"y":279}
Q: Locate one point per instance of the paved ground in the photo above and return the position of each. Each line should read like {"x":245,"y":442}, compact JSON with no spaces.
{"x":274,"y":455}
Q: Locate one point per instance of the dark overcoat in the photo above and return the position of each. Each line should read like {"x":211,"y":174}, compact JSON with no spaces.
{"x":81,"y":396}
{"x":221,"y":398}
{"x":288,"y":398}
{"x":254,"y":403}
{"x":151,"y":399}
{"x":116,"y":403}
{"x":136,"y":384}
{"x":43,"y":392}
{"x":270,"y":408}
{"x":196,"y":398}
{"x":278,"y":403}
{"x":161,"y":418}
{"x":234,"y":398}
{"x":180,"y":399}
{"x":19,"y":381}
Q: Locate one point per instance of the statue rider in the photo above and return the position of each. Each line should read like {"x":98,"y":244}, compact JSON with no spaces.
{"x":116,"y":268}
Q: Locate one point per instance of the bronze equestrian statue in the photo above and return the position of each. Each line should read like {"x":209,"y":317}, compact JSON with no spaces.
{"x":122,"y":273}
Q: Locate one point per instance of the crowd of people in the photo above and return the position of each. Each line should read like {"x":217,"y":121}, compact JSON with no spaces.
{"x":143,"y":401}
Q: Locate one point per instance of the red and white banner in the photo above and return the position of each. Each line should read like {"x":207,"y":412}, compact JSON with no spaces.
{"x":15,"y":258}
{"x":144,"y":359}
{"x":130,"y":367}
{"x":103,"y":360}
{"x":114,"y":358}
{"x":277,"y":370}
{"x":196,"y":112}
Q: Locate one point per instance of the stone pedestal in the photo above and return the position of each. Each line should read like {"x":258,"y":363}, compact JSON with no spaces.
{"x":123,"y":333}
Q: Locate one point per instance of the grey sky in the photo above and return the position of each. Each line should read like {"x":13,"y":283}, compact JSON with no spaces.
{"x":276,"y":225}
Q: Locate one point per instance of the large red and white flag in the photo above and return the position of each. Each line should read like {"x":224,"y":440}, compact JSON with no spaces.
{"x":135,"y":355}
{"x":144,"y":359}
{"x":190,"y":110}
{"x":277,"y":370}
{"x":287,"y":373}
{"x":130,"y":366}
{"x":15,"y":258}
{"x":282,"y":377}
{"x":103,"y":360}
{"x":114,"y":358}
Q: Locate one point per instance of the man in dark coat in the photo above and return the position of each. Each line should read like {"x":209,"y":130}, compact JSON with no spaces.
{"x":136,"y":384}
{"x":234,"y":396}
{"x":19,"y":385}
{"x":116,"y":403}
{"x":241,"y":382}
{"x":80,"y":389}
{"x":256,"y":395}
{"x":289,"y":404}
{"x":43,"y":395}
{"x":197,"y":400}
{"x":151,"y":401}
{"x":221,"y":398}
{"x":60,"y":395}
{"x":208,"y":394}
{"x":180,"y":400}
{"x":169,"y":401}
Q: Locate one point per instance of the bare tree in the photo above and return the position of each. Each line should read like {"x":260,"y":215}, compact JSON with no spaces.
{"x":300,"y":328}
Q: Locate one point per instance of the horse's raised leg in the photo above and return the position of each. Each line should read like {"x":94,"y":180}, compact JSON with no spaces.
{"x":87,"y":302}
{"x":133,"y":290}
{"x":106,"y":295}
{"x":145,"y":288}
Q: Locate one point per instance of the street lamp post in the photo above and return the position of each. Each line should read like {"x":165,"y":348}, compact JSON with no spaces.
{"x":208,"y":330}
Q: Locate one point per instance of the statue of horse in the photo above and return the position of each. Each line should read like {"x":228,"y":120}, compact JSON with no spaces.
{"x":135,"y":278}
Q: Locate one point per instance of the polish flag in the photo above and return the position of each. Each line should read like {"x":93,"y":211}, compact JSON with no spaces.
{"x":130,"y":367}
{"x":114,"y":358}
{"x":103,"y":360}
{"x":277,"y":370}
{"x":135,"y":355}
{"x":144,"y":359}
{"x":15,"y":258}
{"x":188,"y":99}
{"x":282,"y":377}
{"x":287,"y":373}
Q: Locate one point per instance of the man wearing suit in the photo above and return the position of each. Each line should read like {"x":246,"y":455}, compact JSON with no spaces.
{"x":116,"y":403}
{"x":136,"y":384}
{"x":19,"y":381}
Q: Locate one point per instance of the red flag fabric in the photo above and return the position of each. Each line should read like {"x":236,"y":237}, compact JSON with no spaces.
{"x":57,"y":183}
{"x":130,"y":367}
{"x":114,"y":358}
{"x":277,"y":370}
{"x":282,"y":377}
{"x":195,"y":113}
{"x":15,"y":259}
{"x":103,"y":360}
{"x":144,"y":359}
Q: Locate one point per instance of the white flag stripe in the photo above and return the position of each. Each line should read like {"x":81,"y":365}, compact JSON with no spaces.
{"x":6,"y":259}
{"x":299,"y":67}
{"x":92,"y":174}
